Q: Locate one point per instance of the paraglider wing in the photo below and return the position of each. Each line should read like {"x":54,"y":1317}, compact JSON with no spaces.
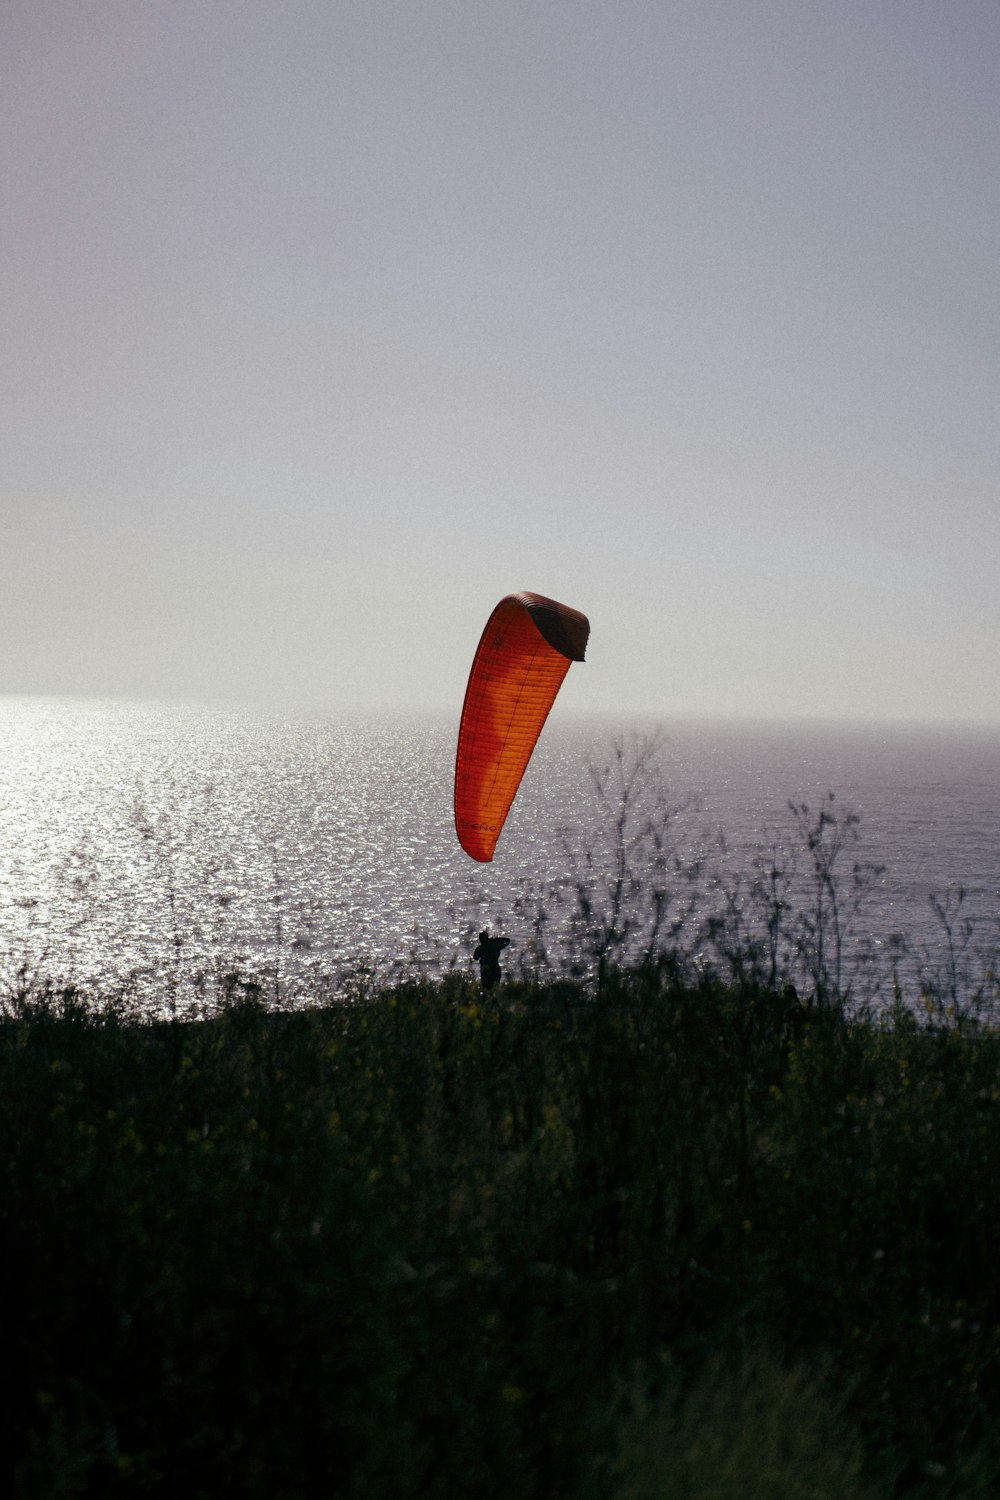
{"x":519,"y":665}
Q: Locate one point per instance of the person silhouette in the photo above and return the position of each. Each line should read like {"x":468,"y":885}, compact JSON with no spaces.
{"x":488,"y":953}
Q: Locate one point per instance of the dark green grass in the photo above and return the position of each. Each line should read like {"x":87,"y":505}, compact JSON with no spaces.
{"x":680,"y":1240}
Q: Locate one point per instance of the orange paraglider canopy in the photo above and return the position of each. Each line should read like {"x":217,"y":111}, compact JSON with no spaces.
{"x":522,"y":658}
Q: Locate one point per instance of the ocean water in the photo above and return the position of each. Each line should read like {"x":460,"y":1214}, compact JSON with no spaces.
{"x":170,"y":840}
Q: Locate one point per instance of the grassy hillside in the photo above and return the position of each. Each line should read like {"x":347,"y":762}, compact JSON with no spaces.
{"x":686,"y":1238}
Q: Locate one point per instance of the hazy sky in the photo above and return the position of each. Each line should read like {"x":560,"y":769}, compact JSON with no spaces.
{"x":325,"y":323}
